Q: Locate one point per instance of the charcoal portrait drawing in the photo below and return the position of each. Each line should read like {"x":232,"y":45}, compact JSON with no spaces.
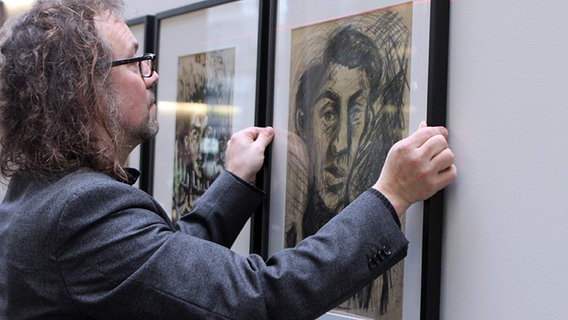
{"x":349,"y":103}
{"x":203,"y":123}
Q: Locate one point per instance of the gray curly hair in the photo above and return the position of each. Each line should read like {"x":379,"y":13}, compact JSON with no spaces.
{"x":54,"y":90}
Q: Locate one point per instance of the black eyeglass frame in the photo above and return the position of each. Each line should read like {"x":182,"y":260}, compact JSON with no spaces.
{"x":145,"y":57}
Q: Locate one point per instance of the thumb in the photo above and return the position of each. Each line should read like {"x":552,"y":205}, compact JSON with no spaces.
{"x":265,"y":137}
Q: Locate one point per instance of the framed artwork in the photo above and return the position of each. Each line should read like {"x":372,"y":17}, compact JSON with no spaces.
{"x":206,"y":92}
{"x":142,"y":156}
{"x":351,"y":79}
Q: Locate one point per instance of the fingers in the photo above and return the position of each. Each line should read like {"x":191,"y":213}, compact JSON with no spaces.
{"x":424,"y":133}
{"x":437,"y":149}
{"x":441,"y":161}
{"x":264,"y":136}
{"x":434,"y":145}
{"x":245,"y":151}
{"x":250,"y":133}
{"x":254,"y":133}
{"x":433,"y":141}
{"x":259,"y":137}
{"x":447,"y":176}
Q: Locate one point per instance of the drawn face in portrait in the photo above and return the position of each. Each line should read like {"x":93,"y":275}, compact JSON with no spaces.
{"x":335,"y":104}
{"x":192,"y":140}
{"x":337,"y":122}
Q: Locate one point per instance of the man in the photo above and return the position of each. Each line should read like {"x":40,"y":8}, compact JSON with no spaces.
{"x":78,"y":242}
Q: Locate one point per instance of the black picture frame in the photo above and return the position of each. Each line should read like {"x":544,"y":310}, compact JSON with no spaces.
{"x":190,"y":13}
{"x":264,"y":117}
{"x":436,"y":116}
{"x":433,"y":208}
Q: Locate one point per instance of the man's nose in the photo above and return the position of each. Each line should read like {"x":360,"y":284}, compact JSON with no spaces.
{"x":340,"y":142}
{"x":152,"y":80}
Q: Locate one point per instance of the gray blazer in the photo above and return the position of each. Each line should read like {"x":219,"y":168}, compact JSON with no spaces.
{"x":85,"y":246}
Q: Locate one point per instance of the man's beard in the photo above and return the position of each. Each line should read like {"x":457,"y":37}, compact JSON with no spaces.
{"x":149,"y":129}
{"x":130,"y":134}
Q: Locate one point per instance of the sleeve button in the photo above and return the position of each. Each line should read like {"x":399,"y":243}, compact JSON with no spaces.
{"x":373,"y":263}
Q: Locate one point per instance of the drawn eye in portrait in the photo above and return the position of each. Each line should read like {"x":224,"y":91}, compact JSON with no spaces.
{"x":350,"y":103}
{"x":203,"y":124}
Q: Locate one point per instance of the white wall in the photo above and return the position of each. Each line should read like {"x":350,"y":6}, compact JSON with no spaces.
{"x":506,"y":228}
{"x":507,"y":215}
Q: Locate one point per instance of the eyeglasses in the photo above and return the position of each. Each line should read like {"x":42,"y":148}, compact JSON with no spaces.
{"x":146,"y":64}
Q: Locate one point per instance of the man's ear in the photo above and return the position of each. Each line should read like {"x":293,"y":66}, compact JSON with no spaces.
{"x":300,"y":122}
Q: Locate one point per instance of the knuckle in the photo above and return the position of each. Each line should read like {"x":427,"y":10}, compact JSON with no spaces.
{"x":440,"y":140}
{"x":425,"y":176}
{"x":416,"y":162}
{"x":402,"y":147}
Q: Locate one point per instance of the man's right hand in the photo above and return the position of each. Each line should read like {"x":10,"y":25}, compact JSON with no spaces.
{"x":417,"y":167}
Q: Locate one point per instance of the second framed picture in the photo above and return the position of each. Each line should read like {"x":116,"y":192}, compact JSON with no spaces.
{"x":351,"y":79}
{"x":207,"y":65}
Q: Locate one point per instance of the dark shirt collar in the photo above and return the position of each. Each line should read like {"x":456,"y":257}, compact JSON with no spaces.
{"x":132,"y":175}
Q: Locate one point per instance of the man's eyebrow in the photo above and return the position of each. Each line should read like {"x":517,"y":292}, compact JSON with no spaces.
{"x":328,"y":94}
{"x":355,"y":96}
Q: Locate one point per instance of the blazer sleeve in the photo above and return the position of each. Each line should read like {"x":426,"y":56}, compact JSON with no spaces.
{"x":122,"y":260}
{"x":222,"y":211}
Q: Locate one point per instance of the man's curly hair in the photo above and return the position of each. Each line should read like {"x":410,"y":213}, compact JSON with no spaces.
{"x":55,"y":90}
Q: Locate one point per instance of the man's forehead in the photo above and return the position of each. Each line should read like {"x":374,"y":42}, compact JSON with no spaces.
{"x":117,"y":33}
